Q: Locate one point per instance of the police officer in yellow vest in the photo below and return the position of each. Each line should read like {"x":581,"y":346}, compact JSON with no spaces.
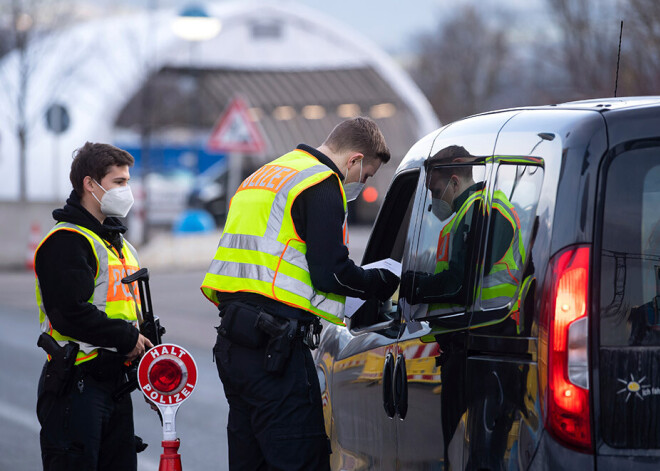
{"x":89,"y":319}
{"x":463,"y":206}
{"x":281,"y":265}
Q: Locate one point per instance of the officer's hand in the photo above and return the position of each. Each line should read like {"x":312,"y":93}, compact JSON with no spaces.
{"x":151,"y":404}
{"x":142,"y":345}
{"x":388,"y":284}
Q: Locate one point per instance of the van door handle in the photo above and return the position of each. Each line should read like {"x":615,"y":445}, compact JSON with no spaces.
{"x":401,"y":387}
{"x":388,"y":393}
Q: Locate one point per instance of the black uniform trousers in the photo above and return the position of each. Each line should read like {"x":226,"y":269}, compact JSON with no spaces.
{"x":275,"y":421}
{"x":84,"y":429}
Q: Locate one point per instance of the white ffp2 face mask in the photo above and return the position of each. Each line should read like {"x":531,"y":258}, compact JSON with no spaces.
{"x":116,"y":202}
{"x":352,"y":190}
{"x":441,"y":209}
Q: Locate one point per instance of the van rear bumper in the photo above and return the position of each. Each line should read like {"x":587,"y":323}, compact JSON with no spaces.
{"x":632,"y":463}
{"x":552,"y":455}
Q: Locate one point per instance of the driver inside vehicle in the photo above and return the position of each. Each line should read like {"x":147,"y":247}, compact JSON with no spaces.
{"x":461,"y":205}
{"x":456,"y":200}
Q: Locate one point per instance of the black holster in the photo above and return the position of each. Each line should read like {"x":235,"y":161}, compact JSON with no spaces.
{"x":239,"y":324}
{"x":61,"y":367}
{"x":252,"y":327}
{"x":280,"y":344}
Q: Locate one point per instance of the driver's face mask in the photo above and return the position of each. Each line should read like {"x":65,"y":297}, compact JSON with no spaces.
{"x":439,"y":207}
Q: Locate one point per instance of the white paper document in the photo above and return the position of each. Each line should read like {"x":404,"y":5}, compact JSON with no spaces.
{"x":411,"y":312}
{"x":353,"y":304}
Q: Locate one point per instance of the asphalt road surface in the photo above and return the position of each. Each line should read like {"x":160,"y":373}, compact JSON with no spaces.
{"x":189,"y":319}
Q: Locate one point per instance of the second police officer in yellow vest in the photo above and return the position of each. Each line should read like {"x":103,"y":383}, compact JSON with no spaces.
{"x":281,"y":265}
{"x":84,"y":308}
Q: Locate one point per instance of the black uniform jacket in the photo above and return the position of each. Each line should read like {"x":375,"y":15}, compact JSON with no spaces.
{"x":66,"y":267}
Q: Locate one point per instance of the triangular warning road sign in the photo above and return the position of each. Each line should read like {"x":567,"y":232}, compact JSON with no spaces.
{"x":235,"y":131}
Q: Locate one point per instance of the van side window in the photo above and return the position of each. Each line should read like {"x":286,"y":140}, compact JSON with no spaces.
{"x":388,"y":240}
{"x":630,"y":254}
{"x":451,"y":221}
{"x":506,"y":273}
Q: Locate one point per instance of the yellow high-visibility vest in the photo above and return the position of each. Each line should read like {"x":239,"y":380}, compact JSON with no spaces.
{"x":117,"y":300}
{"x":500,"y":284}
{"x":260,"y":251}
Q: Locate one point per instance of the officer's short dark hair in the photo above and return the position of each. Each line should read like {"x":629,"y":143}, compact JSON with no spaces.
{"x":361,"y":135}
{"x":447,"y":156}
{"x":95,"y":160}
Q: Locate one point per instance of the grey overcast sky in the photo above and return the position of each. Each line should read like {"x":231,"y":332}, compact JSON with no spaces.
{"x":392,"y":24}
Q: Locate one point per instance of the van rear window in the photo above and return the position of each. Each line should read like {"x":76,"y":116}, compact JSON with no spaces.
{"x":629,"y":369}
{"x":630,"y":257}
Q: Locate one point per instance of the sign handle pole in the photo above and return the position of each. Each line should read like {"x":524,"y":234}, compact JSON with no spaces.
{"x":170,"y":460}
{"x":176,"y":362}
{"x":169,"y":428}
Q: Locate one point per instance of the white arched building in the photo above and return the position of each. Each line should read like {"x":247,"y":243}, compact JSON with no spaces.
{"x":274,"y":55}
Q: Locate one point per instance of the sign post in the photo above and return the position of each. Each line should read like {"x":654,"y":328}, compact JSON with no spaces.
{"x":167,"y":375}
{"x":235,"y":134}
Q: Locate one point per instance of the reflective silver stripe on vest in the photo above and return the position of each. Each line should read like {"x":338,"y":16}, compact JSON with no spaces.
{"x":275,"y":219}
{"x":284,"y":282}
{"x":100,"y":290}
{"x":132,"y":250}
{"x":511,"y":276}
{"x":265,"y":245}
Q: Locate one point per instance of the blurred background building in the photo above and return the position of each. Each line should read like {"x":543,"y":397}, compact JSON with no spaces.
{"x":157,"y":84}
{"x":157,"y":76}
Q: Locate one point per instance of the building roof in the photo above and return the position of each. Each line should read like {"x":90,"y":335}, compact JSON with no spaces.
{"x":277,"y":51}
{"x":289,"y":106}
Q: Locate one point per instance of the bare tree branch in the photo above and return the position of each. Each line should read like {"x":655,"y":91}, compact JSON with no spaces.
{"x":461,"y":64}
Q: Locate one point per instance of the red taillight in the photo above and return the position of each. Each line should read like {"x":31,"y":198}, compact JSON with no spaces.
{"x":564,"y":340}
{"x":165,"y":375}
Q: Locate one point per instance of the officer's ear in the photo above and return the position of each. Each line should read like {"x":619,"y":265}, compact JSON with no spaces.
{"x":355,"y":158}
{"x":88,"y":184}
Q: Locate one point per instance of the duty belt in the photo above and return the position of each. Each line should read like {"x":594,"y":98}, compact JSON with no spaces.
{"x":107,"y":366}
{"x":308,"y":331}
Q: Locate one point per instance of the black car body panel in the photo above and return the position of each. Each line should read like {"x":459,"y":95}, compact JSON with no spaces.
{"x":467,"y":385}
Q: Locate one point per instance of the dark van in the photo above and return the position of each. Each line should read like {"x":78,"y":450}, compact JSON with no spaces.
{"x":525,"y":333}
